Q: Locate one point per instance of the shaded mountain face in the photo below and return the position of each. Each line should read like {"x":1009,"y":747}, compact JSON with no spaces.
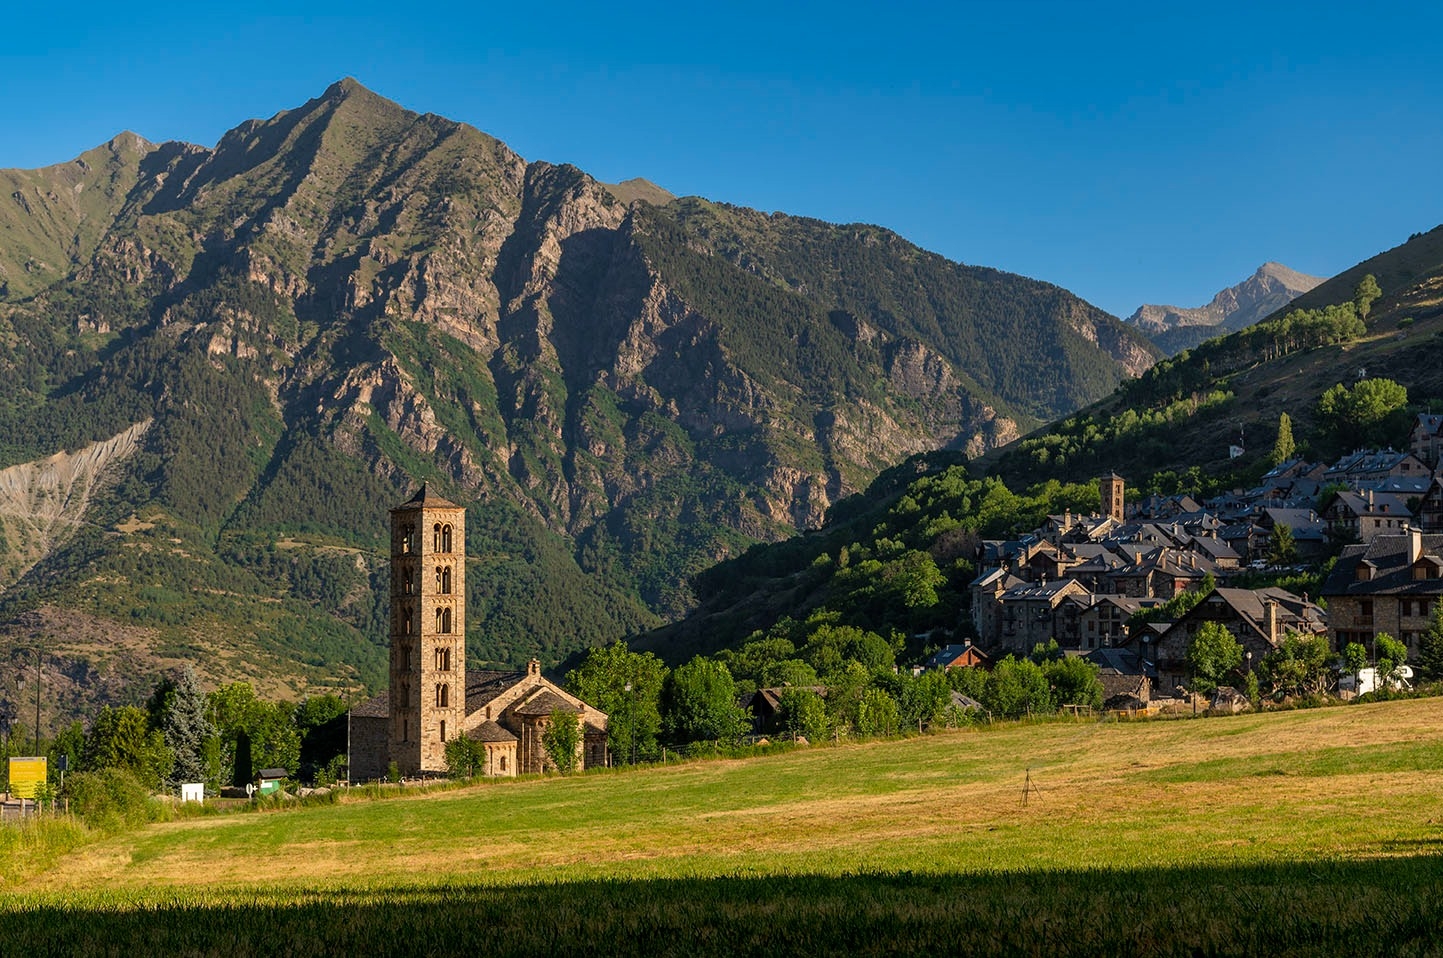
{"x":1174,"y":328}
{"x":347,"y":298}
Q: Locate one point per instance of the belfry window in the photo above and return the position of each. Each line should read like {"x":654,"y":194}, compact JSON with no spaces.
{"x":443,"y":660}
{"x":443,"y":730}
{"x":443,"y":696}
{"x":443,"y":580}
{"x":408,"y":539}
{"x":443,"y":621}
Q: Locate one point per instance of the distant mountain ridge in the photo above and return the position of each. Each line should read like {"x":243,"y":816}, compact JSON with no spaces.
{"x":1175,"y":328}
{"x":348,"y":297}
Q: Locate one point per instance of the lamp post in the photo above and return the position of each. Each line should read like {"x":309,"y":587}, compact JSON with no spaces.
{"x":631,"y":721}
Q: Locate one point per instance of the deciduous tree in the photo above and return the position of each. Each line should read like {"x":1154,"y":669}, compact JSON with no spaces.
{"x":626,"y":685}
{"x":1213,"y":653}
{"x":562,"y":740}
{"x":699,"y":703}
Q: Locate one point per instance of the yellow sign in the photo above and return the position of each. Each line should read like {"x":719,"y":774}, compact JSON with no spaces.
{"x":26,"y":776}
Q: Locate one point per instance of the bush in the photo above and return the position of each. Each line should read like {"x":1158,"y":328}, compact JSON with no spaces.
{"x":110,"y":799}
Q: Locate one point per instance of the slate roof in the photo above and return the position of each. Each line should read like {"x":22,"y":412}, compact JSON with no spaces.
{"x":1304,"y":523}
{"x":1374,"y":503}
{"x":483,"y":685}
{"x":1038,"y":590}
{"x":425,"y":498}
{"x":378,"y":707}
{"x":544,"y":704}
{"x":1393,"y":573}
{"x":489,"y":731}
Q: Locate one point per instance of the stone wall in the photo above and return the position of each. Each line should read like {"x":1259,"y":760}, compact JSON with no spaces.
{"x":370,"y":748}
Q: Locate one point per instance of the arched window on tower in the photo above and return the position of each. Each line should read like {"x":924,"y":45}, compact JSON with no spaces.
{"x":408,"y":581}
{"x":444,"y":580}
{"x":443,"y":660}
{"x":446,"y":538}
{"x":443,"y":621}
{"x":408,"y":538}
{"x":406,"y":621}
{"x":436,"y":538}
{"x":443,"y":730}
{"x":443,"y":696}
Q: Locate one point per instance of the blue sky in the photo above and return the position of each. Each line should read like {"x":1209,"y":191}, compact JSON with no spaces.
{"x":1129,"y":153}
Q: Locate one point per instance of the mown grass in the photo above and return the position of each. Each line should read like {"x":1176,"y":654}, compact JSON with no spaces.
{"x":1300,"y":832}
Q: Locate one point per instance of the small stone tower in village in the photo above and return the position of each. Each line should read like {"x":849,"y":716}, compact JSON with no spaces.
{"x":1111,"y":487}
{"x":428,"y":631}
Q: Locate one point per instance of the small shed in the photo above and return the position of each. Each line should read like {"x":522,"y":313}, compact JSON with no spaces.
{"x":270,"y":780}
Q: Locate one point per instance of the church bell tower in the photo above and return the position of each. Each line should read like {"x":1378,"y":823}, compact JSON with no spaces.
{"x":428,"y":631}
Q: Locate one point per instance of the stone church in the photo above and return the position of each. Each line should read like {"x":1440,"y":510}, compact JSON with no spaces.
{"x":433,"y":697}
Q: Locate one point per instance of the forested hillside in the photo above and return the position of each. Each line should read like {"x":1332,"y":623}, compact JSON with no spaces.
{"x":1186,"y":412}
{"x":897,"y":559}
{"x":296,"y":326}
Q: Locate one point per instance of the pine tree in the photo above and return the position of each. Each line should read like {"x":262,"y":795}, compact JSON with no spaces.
{"x":1430,"y":647}
{"x":1284,"y":447}
{"x":187,"y":729}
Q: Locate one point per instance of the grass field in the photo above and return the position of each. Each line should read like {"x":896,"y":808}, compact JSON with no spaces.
{"x":1300,"y":832}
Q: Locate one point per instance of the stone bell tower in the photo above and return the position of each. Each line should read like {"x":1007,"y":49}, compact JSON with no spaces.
{"x":428,"y":631}
{"x":1111,"y":489}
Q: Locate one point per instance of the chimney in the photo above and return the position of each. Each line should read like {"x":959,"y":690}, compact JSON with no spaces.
{"x":1415,"y":544}
{"x":1270,"y":620}
{"x":533,"y":668}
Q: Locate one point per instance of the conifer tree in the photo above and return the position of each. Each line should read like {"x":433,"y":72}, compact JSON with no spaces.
{"x":187,"y":729}
{"x":1430,"y":646}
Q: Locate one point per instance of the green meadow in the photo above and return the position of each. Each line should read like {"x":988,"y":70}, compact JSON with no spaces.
{"x":1307,"y":832}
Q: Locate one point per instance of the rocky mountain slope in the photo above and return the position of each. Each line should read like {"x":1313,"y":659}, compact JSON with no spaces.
{"x":1175,"y":328}
{"x":337,"y":302}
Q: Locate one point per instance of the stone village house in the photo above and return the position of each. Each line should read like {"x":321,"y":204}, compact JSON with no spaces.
{"x":432,"y":696}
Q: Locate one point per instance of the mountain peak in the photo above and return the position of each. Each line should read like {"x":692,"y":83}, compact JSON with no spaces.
{"x":1270,"y":287}
{"x":344,"y":87}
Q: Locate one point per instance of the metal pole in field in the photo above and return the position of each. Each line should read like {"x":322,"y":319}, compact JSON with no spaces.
{"x":37,"y":700}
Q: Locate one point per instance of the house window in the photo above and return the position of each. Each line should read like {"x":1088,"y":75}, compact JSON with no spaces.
{"x":443,"y":696}
{"x":1365,"y":610}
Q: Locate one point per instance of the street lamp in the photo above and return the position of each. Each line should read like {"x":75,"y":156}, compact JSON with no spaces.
{"x":631,"y":721}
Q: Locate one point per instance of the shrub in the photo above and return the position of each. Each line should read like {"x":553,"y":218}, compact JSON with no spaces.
{"x":109,"y":799}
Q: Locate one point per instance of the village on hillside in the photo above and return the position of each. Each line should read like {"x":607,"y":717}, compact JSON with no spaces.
{"x":1105,"y":587}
